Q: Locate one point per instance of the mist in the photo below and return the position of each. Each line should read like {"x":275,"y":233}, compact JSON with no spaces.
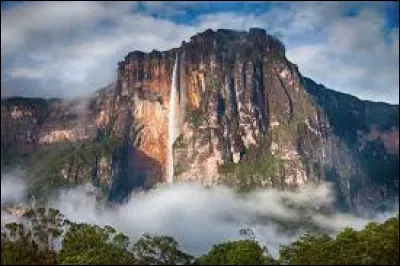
{"x":12,"y":187}
{"x":13,"y":190}
{"x":198,"y":217}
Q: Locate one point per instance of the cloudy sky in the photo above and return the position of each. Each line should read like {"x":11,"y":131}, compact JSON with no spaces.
{"x":67,"y":49}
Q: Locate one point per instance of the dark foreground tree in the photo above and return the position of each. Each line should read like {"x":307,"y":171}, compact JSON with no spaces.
{"x":309,"y":249}
{"x":32,"y":240}
{"x":241,"y":252}
{"x":91,"y":244}
{"x":24,"y":251}
{"x":35,"y":241}
{"x":159,"y":250}
{"x":376,"y":244}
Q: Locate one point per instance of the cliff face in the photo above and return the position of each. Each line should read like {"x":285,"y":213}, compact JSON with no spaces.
{"x":245,"y":117}
{"x":370,"y":133}
{"x":28,"y":122}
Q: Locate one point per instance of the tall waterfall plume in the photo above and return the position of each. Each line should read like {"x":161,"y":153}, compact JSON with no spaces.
{"x":172,"y":123}
{"x":182,"y":94}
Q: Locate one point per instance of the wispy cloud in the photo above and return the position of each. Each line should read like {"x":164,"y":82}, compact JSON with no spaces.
{"x":199,"y":217}
{"x":358,"y":57}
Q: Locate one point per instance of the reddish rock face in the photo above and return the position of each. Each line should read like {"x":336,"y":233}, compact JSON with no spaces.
{"x":389,"y":138}
{"x":215,"y":68}
{"x":239,"y":101}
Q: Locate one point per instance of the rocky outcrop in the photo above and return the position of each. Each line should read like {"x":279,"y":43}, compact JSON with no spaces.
{"x":20,"y":124}
{"x":26,"y":123}
{"x":246,"y":118}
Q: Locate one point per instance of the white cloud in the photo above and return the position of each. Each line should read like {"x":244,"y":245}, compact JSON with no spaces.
{"x":357,"y":58}
{"x":80,"y":64}
{"x":228,"y":20}
{"x":73,"y":53}
{"x":20,"y":24}
{"x":24,"y":72}
{"x":199,"y":217}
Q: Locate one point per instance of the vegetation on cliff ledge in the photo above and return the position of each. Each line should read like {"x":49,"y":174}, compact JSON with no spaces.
{"x":247,"y":175}
{"x":67,"y":164}
{"x":195,"y":117}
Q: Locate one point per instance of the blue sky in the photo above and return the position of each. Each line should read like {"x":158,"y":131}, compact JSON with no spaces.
{"x":67,"y":49}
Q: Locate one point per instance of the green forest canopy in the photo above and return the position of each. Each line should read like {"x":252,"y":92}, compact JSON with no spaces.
{"x":35,"y":242}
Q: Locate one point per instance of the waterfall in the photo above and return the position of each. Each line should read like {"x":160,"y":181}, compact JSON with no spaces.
{"x":172,"y":129}
{"x":182,"y":95}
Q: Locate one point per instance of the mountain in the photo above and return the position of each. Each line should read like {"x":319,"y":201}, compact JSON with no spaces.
{"x":227,"y":107}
